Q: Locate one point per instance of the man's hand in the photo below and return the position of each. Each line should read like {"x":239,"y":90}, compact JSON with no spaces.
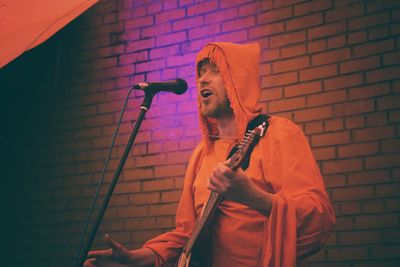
{"x":236,"y":186}
{"x":116,"y":256}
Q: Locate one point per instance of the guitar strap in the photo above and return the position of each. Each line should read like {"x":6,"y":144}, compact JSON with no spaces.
{"x":257,"y":121}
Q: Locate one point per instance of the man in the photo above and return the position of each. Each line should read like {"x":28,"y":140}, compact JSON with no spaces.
{"x":275,"y":212}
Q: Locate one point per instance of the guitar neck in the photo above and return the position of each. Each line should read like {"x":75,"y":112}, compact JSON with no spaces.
{"x":208,"y":211}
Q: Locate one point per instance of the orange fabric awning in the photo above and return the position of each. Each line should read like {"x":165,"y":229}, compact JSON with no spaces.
{"x":25,"y":24}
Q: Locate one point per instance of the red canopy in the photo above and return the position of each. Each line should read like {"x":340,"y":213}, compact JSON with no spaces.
{"x":25,"y":24}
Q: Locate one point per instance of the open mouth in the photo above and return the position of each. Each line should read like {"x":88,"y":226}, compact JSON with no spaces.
{"x":205,"y":93}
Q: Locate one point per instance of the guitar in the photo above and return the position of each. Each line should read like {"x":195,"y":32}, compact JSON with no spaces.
{"x":234,"y":162}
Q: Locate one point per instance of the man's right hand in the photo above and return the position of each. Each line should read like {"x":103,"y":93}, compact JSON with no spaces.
{"x":119,"y":256}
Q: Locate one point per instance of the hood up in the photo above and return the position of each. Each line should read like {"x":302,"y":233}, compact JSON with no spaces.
{"x":239,"y":67}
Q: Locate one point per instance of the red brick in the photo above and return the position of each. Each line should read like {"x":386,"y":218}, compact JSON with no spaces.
{"x":221,"y":15}
{"x":368,"y":21}
{"x":169,"y":4}
{"x":270,"y":55}
{"x":164,"y":51}
{"x":373,"y":133}
{"x":352,"y":193}
{"x":388,"y":190}
{"x":373,"y":206}
{"x":235,"y":36}
{"x":391,"y":58}
{"x":180,"y":60}
{"x":178,"y":157}
{"x":356,"y":150}
{"x":373,"y":6}
{"x":266,"y":30}
{"x":350,"y":208}
{"x":138,"y":174}
{"x":330,"y":56}
{"x":360,"y":64}
{"x":271,"y":94}
{"x":337,"y":41}
{"x":302,"y":89}
{"x":389,"y":102}
{"x":343,"y":81}
{"x":392,"y":204}
{"x":377,"y":119}
{"x":275,"y":15}
{"x":249,"y":9}
{"x":327,"y":30}
{"x":353,"y":107}
{"x":162,"y":209}
{"x":378,"y":32}
{"x":140,"y":45}
{"x":392,"y":145}
{"x":369,"y":91}
{"x":310,"y":114}
{"x":328,"y":139}
{"x":318,"y":72}
{"x":156,"y":30}
{"x":357,"y":121}
{"x":316,"y":46}
{"x":238,"y":24}
{"x":150,"y":65}
{"x":287,"y":38}
{"x":324,"y":153}
{"x":139,"y":22}
{"x":357,"y":37}
{"x":158,"y":185}
{"x":127,"y":188}
{"x":326,"y":98}
{"x":360,"y":237}
{"x":372,"y":48}
{"x":335,"y":180}
{"x":292,"y":51}
{"x":172,"y":38}
{"x":279,"y":79}
{"x":230,"y":3}
{"x":290,"y":64}
{"x":376,"y":221}
{"x":341,"y":13}
{"x":202,"y":8}
{"x":334,"y":124}
{"x":304,"y":22}
{"x":344,"y":223}
{"x":314,"y":127}
{"x":171,"y":196}
{"x":145,"y":198}
{"x":287,"y":104}
{"x":187,"y":23}
{"x":312,"y":7}
{"x":394,"y":116}
{"x":204,"y":31}
{"x":384,"y":161}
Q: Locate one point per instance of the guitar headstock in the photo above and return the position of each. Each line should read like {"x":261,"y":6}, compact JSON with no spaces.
{"x":237,"y":158}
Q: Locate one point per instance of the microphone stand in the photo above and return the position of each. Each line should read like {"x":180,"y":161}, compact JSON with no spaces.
{"x":145,"y":106}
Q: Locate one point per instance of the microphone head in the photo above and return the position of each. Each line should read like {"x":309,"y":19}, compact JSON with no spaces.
{"x":181,"y":86}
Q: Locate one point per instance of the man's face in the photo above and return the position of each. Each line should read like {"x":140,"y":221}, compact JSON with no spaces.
{"x":212,"y":92}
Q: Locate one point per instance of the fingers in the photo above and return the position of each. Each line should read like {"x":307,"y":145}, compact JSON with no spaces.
{"x":90,"y":263}
{"x":98,"y":253}
{"x":112,"y":243}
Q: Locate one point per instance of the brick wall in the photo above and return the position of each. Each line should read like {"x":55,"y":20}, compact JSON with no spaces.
{"x":330,"y":66}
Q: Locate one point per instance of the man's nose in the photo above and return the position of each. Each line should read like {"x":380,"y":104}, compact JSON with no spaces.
{"x":204,"y":79}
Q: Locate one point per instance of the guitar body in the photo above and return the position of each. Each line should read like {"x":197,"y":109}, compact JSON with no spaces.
{"x":200,"y":254}
{"x":197,"y":250}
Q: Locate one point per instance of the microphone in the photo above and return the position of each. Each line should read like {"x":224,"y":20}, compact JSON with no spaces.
{"x":177,"y":86}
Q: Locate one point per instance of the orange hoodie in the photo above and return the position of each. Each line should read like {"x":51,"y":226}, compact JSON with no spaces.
{"x":281,"y":163}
